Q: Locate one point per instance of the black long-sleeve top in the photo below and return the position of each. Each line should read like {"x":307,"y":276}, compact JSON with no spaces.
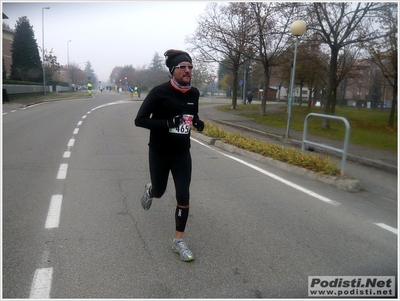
{"x":164,"y":102}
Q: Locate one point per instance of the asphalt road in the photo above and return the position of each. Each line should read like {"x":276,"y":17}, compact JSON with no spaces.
{"x":73,"y":226}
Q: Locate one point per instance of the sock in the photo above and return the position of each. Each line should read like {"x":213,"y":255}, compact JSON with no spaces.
{"x":181,"y":216}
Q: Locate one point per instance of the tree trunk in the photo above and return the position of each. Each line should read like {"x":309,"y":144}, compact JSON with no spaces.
{"x":266,"y":85}
{"x":310,"y":92}
{"x":301,"y":96}
{"x":331,"y":89}
{"x":394,"y":104}
{"x":235,"y":88}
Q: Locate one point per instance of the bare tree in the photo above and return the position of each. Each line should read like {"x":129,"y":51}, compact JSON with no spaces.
{"x":270,"y":36}
{"x":340,"y":24}
{"x":50,"y":63}
{"x":222,"y":37}
{"x":384,"y":52}
{"x":75,"y":74}
{"x":202,"y":72}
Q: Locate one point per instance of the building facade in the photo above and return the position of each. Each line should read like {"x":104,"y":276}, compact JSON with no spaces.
{"x":8,"y":37}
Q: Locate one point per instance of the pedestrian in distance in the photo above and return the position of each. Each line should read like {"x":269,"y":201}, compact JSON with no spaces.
{"x":249,"y":97}
{"x":89,"y":88}
{"x":169,"y":111}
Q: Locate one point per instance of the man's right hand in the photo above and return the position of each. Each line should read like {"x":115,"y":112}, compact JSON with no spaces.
{"x":174,"y":122}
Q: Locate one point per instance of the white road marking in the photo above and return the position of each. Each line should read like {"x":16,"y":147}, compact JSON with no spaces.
{"x":41,"y":284}
{"x":386,"y":227}
{"x":62,"y":172}
{"x":271,"y":175}
{"x":53,"y":216}
{"x":71,"y":142}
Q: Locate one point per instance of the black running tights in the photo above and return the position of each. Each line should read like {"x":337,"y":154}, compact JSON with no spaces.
{"x":180,"y":166}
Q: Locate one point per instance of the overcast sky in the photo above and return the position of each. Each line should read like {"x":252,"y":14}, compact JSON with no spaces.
{"x":106,"y":33}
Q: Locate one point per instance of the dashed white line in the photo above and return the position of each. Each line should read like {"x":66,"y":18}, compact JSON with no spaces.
{"x":386,"y":227}
{"x":53,"y":216}
{"x":71,"y":142}
{"x":41,"y":284}
{"x":62,"y":172}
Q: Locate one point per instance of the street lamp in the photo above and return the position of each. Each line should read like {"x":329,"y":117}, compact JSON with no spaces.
{"x":44,"y":78}
{"x":68,"y":53}
{"x":69,"y":71}
{"x":298,"y":28}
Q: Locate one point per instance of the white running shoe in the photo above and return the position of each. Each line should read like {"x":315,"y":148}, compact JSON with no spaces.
{"x":181,"y":248}
{"x":146,"y":198}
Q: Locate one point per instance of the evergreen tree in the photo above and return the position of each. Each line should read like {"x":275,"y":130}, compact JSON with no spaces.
{"x":26,"y":63}
{"x":91,"y":76}
{"x":157,"y":73}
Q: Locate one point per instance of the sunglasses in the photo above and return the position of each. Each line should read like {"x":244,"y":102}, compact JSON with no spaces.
{"x":183,"y":67}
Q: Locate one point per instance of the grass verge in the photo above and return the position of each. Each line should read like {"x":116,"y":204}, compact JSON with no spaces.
{"x":367,"y":127}
{"x":39,"y":97}
{"x":289,"y":155}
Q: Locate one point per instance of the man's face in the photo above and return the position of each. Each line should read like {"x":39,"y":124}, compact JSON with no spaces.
{"x":183,"y":76}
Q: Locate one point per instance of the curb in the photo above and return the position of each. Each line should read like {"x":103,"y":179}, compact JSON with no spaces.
{"x":342,"y":183}
{"x":350,"y":157}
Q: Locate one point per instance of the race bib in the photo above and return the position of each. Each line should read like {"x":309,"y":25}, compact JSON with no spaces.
{"x":184,"y":126}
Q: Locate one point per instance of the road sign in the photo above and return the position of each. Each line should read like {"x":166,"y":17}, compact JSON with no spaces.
{"x":212,"y":85}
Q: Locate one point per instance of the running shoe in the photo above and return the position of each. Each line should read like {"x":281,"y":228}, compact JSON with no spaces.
{"x":146,"y":198}
{"x":181,"y":248}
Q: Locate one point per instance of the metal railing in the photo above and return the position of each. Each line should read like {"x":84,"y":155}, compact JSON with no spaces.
{"x":346,"y":139}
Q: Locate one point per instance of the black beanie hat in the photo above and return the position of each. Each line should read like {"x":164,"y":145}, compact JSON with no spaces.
{"x":174,"y":57}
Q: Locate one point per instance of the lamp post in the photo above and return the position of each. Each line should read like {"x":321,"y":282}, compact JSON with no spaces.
{"x":44,"y":77}
{"x":298,"y":28}
{"x":69,"y":70}
{"x":68,"y":52}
